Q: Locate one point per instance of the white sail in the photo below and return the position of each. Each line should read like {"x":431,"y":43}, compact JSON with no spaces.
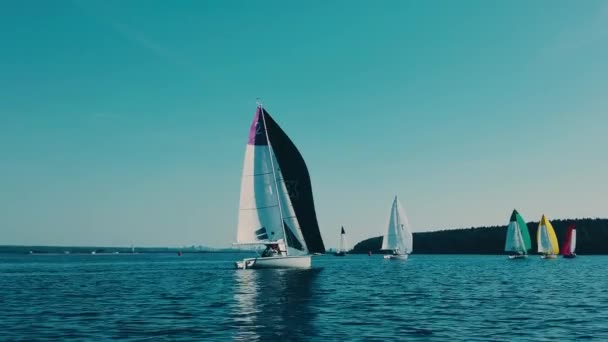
{"x":259,"y":214}
{"x":342,"y":247}
{"x":544,"y":245}
{"x":512,"y":242}
{"x":573,"y":242}
{"x":515,"y":241}
{"x":265,"y":204}
{"x":399,"y":235}
{"x":295,"y":240}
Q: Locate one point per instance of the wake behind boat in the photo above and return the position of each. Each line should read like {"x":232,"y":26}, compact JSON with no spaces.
{"x":546,"y":239}
{"x":276,"y":207}
{"x":518,"y":237}
{"x":398,"y":238}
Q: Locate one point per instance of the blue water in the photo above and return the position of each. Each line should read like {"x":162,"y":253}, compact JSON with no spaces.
{"x":199,"y":297}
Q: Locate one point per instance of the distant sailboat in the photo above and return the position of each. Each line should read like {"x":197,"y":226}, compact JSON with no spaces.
{"x":398,"y":238}
{"x":518,"y":237}
{"x":276,"y":206}
{"x":342,"y":249}
{"x":546,"y":239}
{"x":569,"y":247}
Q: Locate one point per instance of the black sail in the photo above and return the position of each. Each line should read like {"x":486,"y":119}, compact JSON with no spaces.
{"x":297,"y":182}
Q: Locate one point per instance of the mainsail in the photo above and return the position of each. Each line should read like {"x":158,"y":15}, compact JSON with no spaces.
{"x":573,"y":240}
{"x":546,"y":238}
{"x":399,"y":235}
{"x":276,"y":196}
{"x":518,"y":236}
{"x":342,"y":241}
{"x":569,"y":246}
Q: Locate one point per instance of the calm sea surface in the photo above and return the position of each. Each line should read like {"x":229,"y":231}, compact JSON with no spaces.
{"x":200,"y":297}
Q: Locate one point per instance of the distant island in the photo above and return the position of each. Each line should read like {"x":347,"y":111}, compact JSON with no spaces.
{"x":592,"y":235}
{"x":111,"y":250}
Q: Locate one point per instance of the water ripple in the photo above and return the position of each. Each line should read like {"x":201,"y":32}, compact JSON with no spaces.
{"x":359,"y":298}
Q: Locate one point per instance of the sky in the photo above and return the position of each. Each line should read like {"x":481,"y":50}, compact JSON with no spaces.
{"x":125,"y":122}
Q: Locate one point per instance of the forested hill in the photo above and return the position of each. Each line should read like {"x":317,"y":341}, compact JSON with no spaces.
{"x":592,"y":238}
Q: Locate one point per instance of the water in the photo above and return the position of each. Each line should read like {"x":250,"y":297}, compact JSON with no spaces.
{"x":198,"y":297}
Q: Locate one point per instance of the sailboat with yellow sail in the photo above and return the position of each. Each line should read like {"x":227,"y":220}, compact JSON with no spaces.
{"x":546,"y":239}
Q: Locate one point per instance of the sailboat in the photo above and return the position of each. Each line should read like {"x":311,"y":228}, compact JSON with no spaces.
{"x":546,"y":239}
{"x":276,"y":207}
{"x":398,"y":238}
{"x":518,"y":237}
{"x":342,"y":249}
{"x":569,"y":247}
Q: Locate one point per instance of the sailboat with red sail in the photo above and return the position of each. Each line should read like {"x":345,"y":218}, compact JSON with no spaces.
{"x":568,"y":250}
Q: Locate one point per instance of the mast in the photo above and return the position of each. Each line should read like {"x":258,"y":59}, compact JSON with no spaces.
{"x":276,"y":184}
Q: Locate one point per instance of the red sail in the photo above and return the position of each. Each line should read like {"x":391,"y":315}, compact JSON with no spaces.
{"x":568,"y":241}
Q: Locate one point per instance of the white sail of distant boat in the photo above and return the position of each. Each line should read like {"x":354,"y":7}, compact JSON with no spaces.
{"x":517,"y":242}
{"x":276,"y":206}
{"x":569,"y":248}
{"x":546,"y":239}
{"x":398,"y":238}
{"x":342,"y":249}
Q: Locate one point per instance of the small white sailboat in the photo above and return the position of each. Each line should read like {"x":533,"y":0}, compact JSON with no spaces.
{"x":398,"y":238}
{"x":276,"y":206}
{"x":518,"y":241}
{"x":546,"y":239}
{"x":342,"y":249}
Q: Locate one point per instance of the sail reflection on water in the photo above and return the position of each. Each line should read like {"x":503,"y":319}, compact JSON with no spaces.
{"x":273,"y":304}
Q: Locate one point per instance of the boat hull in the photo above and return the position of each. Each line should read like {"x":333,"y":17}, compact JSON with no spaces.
{"x":569,"y":256}
{"x":397,"y":257}
{"x":340,"y":254}
{"x":548,"y":256}
{"x":518,"y":256}
{"x":275,"y":262}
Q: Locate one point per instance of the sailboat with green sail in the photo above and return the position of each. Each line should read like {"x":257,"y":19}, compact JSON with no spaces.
{"x":518,"y":241}
{"x":547,"y":240}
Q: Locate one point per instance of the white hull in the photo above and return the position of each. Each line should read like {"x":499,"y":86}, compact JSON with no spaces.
{"x":396,"y":257}
{"x":519,"y":256}
{"x":276,"y":262}
{"x":548,"y":256}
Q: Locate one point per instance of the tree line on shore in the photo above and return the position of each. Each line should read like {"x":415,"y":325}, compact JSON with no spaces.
{"x":592,"y":238}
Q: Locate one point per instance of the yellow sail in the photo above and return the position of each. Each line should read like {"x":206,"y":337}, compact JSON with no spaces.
{"x":552,"y":237}
{"x":554,"y":246}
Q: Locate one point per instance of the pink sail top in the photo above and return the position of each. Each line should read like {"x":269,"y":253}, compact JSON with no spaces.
{"x":257,"y":133}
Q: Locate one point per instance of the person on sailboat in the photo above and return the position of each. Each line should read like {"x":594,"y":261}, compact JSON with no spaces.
{"x":266,"y":252}
{"x":271,"y":250}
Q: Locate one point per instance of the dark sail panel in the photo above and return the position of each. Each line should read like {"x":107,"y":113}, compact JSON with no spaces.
{"x":297,"y":181}
{"x":292,"y":240}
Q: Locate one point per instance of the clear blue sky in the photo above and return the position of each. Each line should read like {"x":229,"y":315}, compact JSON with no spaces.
{"x":126,"y":122}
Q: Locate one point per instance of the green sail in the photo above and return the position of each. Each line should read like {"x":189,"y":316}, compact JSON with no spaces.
{"x":523,"y":227}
